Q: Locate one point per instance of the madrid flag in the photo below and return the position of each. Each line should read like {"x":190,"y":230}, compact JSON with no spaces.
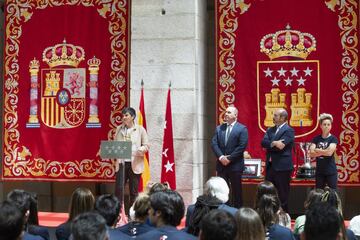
{"x":168,"y":160}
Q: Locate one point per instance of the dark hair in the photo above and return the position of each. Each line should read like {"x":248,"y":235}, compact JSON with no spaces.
{"x":249,"y":225}
{"x":158,"y":187}
{"x":141,"y":207}
{"x":88,"y":226}
{"x":25,"y":201}
{"x":323,"y":222}
{"x":204,"y":204}
{"x":108,"y":206}
{"x":265,"y":187}
{"x":170,"y":205}
{"x":11,"y":221}
{"x":130,"y":111}
{"x":21,"y":199}
{"x":218,"y":224}
{"x":267,"y":209}
{"x":82,"y":200}
{"x":313,"y":196}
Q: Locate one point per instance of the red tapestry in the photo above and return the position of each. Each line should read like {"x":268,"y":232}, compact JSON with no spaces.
{"x":299,"y":56}
{"x":66,"y":81}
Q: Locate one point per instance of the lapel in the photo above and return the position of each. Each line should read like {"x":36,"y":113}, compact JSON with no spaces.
{"x":280,"y":132}
{"x":232,"y":133}
{"x":223,"y":132}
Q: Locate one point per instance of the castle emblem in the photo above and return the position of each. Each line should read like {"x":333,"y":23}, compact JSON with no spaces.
{"x":63,"y":89}
{"x":288,"y":80}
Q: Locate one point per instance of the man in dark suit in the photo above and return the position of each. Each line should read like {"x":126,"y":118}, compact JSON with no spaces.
{"x":228,"y":144}
{"x":278,"y":142}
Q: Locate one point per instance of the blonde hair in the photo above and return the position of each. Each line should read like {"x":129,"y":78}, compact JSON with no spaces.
{"x":142,"y":206}
{"x":325,"y":116}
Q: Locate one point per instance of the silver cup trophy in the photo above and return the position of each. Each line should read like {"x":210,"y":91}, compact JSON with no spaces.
{"x":306,"y":170}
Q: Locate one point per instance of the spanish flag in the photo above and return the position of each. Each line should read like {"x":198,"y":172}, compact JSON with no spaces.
{"x":145,"y":176}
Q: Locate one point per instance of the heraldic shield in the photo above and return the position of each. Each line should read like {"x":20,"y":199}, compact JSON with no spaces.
{"x":63,"y":97}
{"x":63,"y":89}
{"x":289,"y":82}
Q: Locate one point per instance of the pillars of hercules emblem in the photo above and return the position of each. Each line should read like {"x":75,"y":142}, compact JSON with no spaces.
{"x":93,"y":121}
{"x":33,"y":121}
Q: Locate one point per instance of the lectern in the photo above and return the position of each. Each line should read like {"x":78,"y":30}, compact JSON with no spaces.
{"x":117,"y":150}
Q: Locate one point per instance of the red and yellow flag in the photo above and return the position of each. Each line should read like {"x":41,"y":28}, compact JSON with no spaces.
{"x":145,"y":176}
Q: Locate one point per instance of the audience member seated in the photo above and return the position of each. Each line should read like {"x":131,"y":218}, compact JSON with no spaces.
{"x":216,"y":191}
{"x":108,"y":206}
{"x":249,"y":225}
{"x":313,"y":197}
{"x":166,"y":211}
{"x":355,"y":226}
{"x":267,"y":208}
{"x":138,"y":226}
{"x":22,"y":200}
{"x":218,"y":224}
{"x":323,"y":222}
{"x":82,"y":200}
{"x":89,"y":226}
{"x":330,"y":196}
{"x":11,"y":221}
{"x":267,"y":187}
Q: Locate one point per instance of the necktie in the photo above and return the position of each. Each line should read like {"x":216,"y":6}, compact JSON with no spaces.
{"x":277,"y":130}
{"x":227,"y":134}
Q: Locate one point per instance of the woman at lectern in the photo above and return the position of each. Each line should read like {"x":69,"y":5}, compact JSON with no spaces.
{"x":323,"y":149}
{"x":129,"y":131}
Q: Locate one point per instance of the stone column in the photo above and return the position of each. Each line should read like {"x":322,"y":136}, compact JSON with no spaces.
{"x":169,"y":44}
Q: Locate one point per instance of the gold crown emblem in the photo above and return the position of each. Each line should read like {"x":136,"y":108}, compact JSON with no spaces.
{"x":63,"y":54}
{"x":288,"y":43}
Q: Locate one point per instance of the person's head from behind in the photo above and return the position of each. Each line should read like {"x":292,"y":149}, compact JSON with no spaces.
{"x":265,"y":187}
{"x":313,"y":197}
{"x":331,"y":196}
{"x":218,"y":188}
{"x":22,"y":200}
{"x":141,"y":207}
{"x":218,"y":224}
{"x":323,"y":222}
{"x":249,"y":225}
{"x":267,"y":209}
{"x":89,"y":226}
{"x":157,"y":187}
{"x":11,"y":221}
{"x":108,"y":206}
{"x":166,"y":208}
{"x":82,"y":200}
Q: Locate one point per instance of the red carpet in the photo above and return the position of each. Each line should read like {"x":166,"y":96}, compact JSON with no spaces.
{"x":52,"y":219}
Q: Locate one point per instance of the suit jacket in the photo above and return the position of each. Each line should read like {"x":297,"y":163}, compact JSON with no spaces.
{"x":281,"y":160}
{"x":167,"y":232}
{"x":234,"y":147}
{"x":39,"y":231}
{"x":140,"y":145}
{"x":276,"y":232}
{"x":190,"y":211}
{"x":63,"y":231}
{"x":115,"y":234}
{"x":28,"y":236}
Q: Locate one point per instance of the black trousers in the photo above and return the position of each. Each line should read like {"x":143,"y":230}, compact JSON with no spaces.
{"x":133,"y":180}
{"x":233,"y":179}
{"x":322,"y":179}
{"x":281,"y":180}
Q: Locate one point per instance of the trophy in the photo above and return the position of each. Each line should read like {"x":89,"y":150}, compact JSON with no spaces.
{"x":306,"y":170}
